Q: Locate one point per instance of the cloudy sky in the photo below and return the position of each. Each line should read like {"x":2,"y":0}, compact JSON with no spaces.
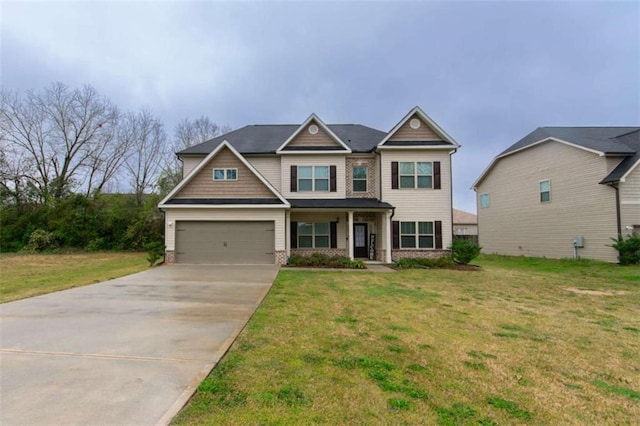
{"x":487,"y":72}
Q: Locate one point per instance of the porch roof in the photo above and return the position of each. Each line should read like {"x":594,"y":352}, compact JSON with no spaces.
{"x":339,"y":203}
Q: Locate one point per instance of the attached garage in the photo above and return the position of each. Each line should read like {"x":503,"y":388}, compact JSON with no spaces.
{"x":225,"y":242}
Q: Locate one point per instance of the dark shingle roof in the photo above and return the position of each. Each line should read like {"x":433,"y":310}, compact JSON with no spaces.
{"x":339,"y":203}
{"x":602,"y":139}
{"x":265,"y":139}
{"x":215,"y":201}
{"x":632,"y":140}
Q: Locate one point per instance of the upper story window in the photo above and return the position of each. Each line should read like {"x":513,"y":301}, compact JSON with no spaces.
{"x":484,"y":200}
{"x":416,"y":175}
{"x":313,"y":178}
{"x":225,"y":174}
{"x":545,"y":191}
{"x":313,"y":235}
{"x":359,"y":179}
{"x":416,"y":235}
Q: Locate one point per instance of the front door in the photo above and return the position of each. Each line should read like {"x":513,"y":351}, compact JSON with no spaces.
{"x":360,"y":247}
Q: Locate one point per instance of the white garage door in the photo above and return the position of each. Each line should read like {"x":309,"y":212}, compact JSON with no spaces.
{"x":225,"y":242}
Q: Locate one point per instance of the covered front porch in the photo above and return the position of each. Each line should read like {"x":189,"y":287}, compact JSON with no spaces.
{"x":358,"y":228}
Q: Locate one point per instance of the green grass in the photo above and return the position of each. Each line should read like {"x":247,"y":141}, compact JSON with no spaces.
{"x":505,"y":345}
{"x":28,"y":275}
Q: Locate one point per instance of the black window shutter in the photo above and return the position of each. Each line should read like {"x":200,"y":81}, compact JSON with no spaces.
{"x":334,"y":235}
{"x":396,"y":234}
{"x":436,"y":175}
{"x":294,"y":234}
{"x":294,"y":179}
{"x":394,"y":175}
{"x":438,"y":226}
{"x":332,"y":179}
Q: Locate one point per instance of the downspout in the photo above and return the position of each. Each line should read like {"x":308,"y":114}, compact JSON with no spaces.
{"x":618,"y":217}
{"x":451,"y":193}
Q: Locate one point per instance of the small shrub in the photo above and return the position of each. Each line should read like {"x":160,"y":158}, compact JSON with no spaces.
{"x":628,"y":249}
{"x":319,"y":260}
{"x":415,"y":263}
{"x":155,"y":251}
{"x":40,"y":240}
{"x":96,"y":244}
{"x":464,"y":251}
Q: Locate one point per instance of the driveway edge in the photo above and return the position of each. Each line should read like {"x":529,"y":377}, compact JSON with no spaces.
{"x":186,"y":395}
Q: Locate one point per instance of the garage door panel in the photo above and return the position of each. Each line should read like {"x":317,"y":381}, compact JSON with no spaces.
{"x":225,"y":242}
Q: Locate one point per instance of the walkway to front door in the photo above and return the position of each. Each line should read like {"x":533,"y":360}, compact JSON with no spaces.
{"x":360,"y":246}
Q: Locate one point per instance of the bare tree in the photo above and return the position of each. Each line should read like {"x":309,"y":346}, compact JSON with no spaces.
{"x":146,"y":139}
{"x":189,"y":133}
{"x":60,"y":131}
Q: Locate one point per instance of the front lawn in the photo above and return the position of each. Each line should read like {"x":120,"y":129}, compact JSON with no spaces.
{"x":27,"y":275}
{"x":522,"y":341}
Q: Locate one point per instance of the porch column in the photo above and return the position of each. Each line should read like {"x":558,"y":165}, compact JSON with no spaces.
{"x":287,"y":232}
{"x":350,"y":234}
{"x":387,"y":237}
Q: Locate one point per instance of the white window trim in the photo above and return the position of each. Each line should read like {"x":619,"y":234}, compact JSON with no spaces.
{"x":313,"y":180}
{"x":415,"y":175}
{"x":225,"y":170}
{"x":540,"y":191}
{"x":314,"y":235}
{"x":488,"y":200}
{"x":366,"y":179}
{"x":417,"y":234}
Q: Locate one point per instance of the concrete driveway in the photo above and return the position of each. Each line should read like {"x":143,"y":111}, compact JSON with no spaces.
{"x":129,"y":351}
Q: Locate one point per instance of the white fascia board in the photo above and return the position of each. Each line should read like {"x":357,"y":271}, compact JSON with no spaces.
{"x":323,"y":126}
{"x":223,"y":206}
{"x":417,"y":147}
{"x":313,"y":152}
{"x":207,"y":159}
{"x":417,"y":110}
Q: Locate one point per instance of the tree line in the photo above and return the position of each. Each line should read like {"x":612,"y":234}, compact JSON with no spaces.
{"x":84,"y":173}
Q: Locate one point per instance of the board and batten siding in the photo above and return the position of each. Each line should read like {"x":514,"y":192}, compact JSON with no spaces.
{"x":420,"y":204}
{"x":190,"y":163}
{"x":630,"y":201}
{"x":269,"y":168}
{"x":422,"y":133}
{"x":313,"y":160}
{"x":256,"y":214}
{"x":517,"y":223}
{"x":247,"y":184}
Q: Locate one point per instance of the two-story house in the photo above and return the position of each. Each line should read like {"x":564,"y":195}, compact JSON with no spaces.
{"x":558,"y":185}
{"x":262,"y":192}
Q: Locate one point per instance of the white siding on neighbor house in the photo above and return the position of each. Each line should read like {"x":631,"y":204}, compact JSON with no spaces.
{"x":465,"y":229}
{"x":420,"y":204}
{"x":190,"y":163}
{"x":517,"y":223}
{"x":269,"y":168}
{"x":630,"y":201}
{"x":313,"y":160}
{"x":254,"y":214}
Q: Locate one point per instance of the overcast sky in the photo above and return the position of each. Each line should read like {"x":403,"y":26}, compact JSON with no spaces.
{"x":487,"y":72}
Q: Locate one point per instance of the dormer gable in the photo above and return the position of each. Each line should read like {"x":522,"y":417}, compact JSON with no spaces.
{"x":417,"y":129}
{"x":313,"y":136}
{"x":224,"y":175}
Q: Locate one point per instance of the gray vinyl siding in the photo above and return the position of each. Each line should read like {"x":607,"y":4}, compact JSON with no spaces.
{"x":630,"y":201}
{"x":517,"y":223}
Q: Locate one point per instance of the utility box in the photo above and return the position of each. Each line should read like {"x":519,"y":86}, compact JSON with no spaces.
{"x":578,"y":242}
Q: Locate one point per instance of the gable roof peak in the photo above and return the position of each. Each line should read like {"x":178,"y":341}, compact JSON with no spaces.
{"x":428,"y":120}
{"x":314,"y":117}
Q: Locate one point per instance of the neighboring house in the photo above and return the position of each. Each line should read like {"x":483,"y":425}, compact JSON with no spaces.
{"x":559,"y":183}
{"x":263,"y":192}
{"x":465,"y":225}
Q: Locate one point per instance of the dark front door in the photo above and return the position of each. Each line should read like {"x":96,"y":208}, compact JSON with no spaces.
{"x":360,"y":246}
